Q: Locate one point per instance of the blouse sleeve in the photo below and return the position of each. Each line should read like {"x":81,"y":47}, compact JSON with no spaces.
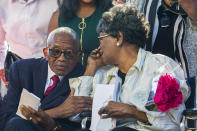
{"x":85,"y":85}
{"x":169,"y":120}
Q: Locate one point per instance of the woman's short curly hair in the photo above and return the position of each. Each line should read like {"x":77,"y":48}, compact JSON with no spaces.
{"x":126,"y":19}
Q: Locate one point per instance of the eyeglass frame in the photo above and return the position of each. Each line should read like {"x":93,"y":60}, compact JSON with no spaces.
{"x":101,"y":37}
{"x":62,"y":51}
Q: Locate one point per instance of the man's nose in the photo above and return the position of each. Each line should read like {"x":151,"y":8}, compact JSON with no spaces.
{"x":62,"y":57}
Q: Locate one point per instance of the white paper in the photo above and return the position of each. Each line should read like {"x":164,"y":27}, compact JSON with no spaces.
{"x":28,"y":99}
{"x":103,"y":94}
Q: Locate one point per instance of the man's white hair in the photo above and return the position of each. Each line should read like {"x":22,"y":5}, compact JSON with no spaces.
{"x":62,"y":30}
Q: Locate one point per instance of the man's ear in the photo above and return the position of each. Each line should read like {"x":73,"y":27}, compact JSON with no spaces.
{"x":79,"y":54}
{"x":45,"y":53}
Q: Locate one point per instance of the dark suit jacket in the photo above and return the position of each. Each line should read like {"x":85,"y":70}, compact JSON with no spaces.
{"x":31,"y":74}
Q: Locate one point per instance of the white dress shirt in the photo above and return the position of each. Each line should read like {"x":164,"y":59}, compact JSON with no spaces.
{"x":24,"y":25}
{"x":136,"y":88}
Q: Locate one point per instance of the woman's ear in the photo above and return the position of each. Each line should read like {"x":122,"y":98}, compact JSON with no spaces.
{"x":45,"y":53}
{"x":120,"y":39}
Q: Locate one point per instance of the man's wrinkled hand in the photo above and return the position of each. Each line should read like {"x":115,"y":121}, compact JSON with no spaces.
{"x":38,"y":117}
{"x":74,"y":104}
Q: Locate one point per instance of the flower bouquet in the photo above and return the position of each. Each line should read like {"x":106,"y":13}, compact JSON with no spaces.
{"x":166,"y":93}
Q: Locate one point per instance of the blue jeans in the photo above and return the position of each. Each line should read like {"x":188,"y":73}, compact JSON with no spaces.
{"x":19,"y":124}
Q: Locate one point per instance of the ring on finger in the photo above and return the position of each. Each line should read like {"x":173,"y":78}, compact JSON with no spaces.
{"x":30,"y":118}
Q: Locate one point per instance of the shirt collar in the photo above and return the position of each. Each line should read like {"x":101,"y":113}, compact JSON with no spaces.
{"x":51,"y":73}
{"x":140,"y":60}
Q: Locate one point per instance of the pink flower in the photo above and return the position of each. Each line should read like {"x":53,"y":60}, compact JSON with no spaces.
{"x":167,"y":94}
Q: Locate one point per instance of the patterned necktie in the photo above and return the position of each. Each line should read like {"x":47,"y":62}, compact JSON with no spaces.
{"x":53,"y":82}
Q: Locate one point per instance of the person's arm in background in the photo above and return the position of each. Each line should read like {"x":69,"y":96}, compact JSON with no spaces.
{"x":53,"y":24}
{"x":2,"y":51}
{"x":190,"y":7}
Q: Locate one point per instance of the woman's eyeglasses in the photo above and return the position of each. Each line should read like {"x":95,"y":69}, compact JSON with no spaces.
{"x":103,"y":36}
{"x":57,"y":53}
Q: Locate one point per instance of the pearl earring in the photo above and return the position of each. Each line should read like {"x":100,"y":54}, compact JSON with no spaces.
{"x":118,"y":44}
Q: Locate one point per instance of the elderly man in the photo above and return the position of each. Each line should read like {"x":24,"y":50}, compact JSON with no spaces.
{"x":35,"y":75}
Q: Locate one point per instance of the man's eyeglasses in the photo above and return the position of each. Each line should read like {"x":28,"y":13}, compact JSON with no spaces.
{"x":103,"y":36}
{"x":57,"y":53}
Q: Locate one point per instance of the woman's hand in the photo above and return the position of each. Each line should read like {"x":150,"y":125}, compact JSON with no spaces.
{"x":117,"y":110}
{"x":38,"y":117}
{"x":121,"y":110}
{"x":94,"y":62}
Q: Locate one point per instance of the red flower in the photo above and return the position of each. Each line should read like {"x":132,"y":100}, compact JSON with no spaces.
{"x":167,"y":94}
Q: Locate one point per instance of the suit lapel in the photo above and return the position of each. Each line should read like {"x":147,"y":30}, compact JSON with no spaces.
{"x":40,"y":76}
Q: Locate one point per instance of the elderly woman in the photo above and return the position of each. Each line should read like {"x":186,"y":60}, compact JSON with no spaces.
{"x":123,"y":33}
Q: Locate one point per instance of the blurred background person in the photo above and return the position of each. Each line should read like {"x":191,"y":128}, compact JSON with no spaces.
{"x":82,"y":16}
{"x":23,"y":26}
{"x":173,"y":30}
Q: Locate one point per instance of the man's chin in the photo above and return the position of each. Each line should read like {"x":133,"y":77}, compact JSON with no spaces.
{"x":61,"y":72}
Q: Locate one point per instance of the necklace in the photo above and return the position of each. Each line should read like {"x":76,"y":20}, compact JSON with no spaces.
{"x":82,"y":26}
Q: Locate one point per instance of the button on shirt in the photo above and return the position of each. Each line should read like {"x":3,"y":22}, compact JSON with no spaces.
{"x":136,"y":88}
{"x":24,"y":25}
